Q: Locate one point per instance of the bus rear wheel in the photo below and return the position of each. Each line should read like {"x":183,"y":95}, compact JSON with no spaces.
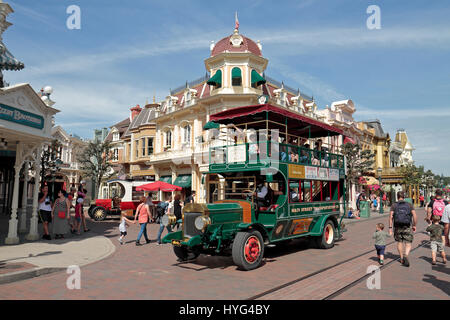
{"x":248,"y":250}
{"x":326,"y":240}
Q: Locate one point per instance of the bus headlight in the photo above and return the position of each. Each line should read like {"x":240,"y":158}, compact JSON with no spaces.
{"x":168,"y":220}
{"x":202,"y":222}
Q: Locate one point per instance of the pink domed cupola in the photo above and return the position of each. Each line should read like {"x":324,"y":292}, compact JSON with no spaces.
{"x":236,"y":43}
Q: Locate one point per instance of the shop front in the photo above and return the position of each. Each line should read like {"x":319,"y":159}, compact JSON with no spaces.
{"x":25,"y":127}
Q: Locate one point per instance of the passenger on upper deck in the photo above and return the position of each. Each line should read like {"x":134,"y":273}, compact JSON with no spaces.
{"x":320,"y":154}
{"x":239,"y":134}
{"x":293,"y":151}
{"x":304,"y":153}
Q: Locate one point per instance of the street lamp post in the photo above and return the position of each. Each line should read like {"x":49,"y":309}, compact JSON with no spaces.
{"x":379,"y":170}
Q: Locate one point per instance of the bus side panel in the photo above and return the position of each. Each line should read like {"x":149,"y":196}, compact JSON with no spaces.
{"x":317,"y":228}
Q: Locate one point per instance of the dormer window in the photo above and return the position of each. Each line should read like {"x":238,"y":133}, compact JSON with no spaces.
{"x":236,"y":77}
{"x":116,"y":136}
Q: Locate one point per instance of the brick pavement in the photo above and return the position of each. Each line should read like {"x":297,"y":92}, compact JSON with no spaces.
{"x":152,"y":272}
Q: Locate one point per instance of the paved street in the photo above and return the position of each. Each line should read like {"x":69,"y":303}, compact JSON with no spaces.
{"x":152,"y":272}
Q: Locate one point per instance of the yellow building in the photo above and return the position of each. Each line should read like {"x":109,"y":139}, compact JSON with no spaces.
{"x":375,"y":139}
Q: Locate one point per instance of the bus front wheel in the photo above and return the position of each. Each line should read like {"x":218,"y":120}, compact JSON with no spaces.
{"x":185,"y":254}
{"x":248,"y":250}
{"x":326,"y":240}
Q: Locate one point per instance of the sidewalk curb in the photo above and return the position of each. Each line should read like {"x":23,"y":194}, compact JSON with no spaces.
{"x":27,"y":274}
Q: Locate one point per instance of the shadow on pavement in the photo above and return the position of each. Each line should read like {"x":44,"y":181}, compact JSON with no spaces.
{"x":440,"y":284}
{"x":47,"y":253}
{"x":204,"y":262}
{"x":387,"y":255}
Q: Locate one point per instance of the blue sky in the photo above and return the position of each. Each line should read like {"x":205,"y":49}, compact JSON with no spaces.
{"x":126,"y":52}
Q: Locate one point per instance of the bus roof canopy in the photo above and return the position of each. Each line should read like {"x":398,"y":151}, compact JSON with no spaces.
{"x":298,"y":124}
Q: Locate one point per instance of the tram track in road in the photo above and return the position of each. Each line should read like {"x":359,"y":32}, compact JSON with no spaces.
{"x":364,"y":277}
{"x":334,"y":293}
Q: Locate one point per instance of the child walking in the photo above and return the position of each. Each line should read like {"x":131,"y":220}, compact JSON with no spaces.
{"x":437,"y":244}
{"x":123,"y":226}
{"x":78,"y":212}
{"x":380,"y":241}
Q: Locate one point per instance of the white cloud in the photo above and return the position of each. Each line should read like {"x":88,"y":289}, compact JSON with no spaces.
{"x":351,"y":38}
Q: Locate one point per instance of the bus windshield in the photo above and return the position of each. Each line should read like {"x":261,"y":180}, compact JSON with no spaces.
{"x":236,"y":188}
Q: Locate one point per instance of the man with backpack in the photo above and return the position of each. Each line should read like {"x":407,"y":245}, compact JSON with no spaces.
{"x":401,"y":217}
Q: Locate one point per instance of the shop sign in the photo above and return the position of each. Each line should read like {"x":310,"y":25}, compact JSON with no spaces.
{"x":21,"y":117}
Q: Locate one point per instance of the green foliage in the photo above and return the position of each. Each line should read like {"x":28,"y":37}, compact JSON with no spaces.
{"x":50,"y":159}
{"x":411,"y":175}
{"x":95,"y":162}
{"x":359,"y":162}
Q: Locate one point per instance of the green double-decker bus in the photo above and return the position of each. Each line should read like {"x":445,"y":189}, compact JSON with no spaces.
{"x":277,"y":176}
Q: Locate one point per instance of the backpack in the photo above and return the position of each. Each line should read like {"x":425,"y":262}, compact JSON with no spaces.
{"x":161,"y":209}
{"x":438,"y":207}
{"x":402,"y":214}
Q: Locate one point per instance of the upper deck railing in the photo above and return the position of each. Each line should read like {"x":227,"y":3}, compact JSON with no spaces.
{"x":263,"y":154}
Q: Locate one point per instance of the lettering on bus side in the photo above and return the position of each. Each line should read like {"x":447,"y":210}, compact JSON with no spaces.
{"x":318,"y":209}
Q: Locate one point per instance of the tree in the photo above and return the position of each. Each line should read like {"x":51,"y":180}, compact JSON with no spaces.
{"x":411,"y":175}
{"x":50,"y":160}
{"x":359,"y":162}
{"x":95,"y":162}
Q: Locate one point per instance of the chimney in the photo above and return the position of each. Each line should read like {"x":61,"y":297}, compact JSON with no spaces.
{"x":135,"y":111}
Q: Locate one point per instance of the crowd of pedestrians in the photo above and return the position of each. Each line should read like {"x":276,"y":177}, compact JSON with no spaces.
{"x":55,"y":214}
{"x":402,"y":225}
{"x":147,"y":213}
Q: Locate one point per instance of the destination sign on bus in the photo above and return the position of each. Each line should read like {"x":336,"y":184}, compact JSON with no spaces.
{"x":313,"y":173}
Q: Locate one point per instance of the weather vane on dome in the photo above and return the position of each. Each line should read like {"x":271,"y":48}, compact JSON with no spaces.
{"x":236,"y":22}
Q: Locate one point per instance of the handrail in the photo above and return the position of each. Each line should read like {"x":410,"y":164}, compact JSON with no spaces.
{"x":287,"y":153}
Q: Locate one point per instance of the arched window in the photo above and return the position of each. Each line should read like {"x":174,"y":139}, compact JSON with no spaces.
{"x":236,"y":77}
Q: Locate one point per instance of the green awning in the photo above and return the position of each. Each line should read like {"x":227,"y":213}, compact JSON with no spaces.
{"x":216,"y":80}
{"x":167,"y":179}
{"x":236,"y":73}
{"x":183,"y":180}
{"x":211,"y":125}
{"x":256,"y":78}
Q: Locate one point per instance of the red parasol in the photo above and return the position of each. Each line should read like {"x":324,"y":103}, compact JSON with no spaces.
{"x":158,"y":186}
